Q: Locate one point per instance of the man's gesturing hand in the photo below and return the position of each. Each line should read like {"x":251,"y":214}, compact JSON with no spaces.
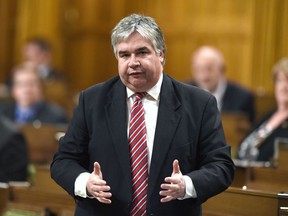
{"x":97,"y":187}
{"x":175,"y":186}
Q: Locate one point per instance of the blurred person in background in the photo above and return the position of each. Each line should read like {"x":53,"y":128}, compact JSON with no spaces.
{"x":28,"y":104}
{"x":13,"y":152}
{"x":208,"y":71}
{"x":259,"y":144}
{"x":39,"y":51}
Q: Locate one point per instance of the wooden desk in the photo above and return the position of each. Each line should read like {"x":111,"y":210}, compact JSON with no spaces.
{"x":44,"y":183}
{"x":24,"y":209}
{"x":281,"y":153}
{"x":44,"y":193}
{"x":268,"y":179}
{"x":257,"y":175}
{"x":236,"y":126}
{"x":42,"y":142}
{"x":4,"y":196}
{"x":55,"y":202}
{"x":238,"y":202}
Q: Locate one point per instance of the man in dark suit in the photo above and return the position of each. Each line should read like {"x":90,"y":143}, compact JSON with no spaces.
{"x":208,"y":69}
{"x":176,"y":159}
{"x":28,"y":104}
{"x":13,"y":153}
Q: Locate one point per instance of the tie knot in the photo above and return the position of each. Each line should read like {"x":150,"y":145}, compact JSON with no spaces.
{"x":140,"y":95}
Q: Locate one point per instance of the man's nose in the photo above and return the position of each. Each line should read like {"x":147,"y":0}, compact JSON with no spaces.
{"x":134,"y":61}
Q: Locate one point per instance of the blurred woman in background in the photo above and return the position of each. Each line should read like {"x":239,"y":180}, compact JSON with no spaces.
{"x":259,"y":144}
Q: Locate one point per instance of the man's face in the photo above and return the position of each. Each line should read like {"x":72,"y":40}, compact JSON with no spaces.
{"x":27,"y":89}
{"x":139,"y":66}
{"x":207,"y":72}
{"x":33,"y":53}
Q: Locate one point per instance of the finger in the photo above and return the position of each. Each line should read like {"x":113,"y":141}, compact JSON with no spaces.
{"x":172,"y":180}
{"x":97,"y":169}
{"x":170,"y":192}
{"x":102,"y":194}
{"x":97,"y":181}
{"x":169,"y":186}
{"x":104,"y":200}
{"x":98,"y":188}
{"x":176,"y":167}
{"x":165,"y":193}
{"x":166,"y":199}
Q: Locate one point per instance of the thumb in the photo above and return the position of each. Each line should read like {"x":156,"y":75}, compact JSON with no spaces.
{"x":176,"y":167}
{"x":97,"y":169}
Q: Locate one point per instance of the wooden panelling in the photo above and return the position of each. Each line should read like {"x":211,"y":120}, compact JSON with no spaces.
{"x":41,"y":19}
{"x":234,"y":27}
{"x":7,"y":23}
{"x":252,"y":34}
{"x":282,"y":30}
{"x":87,"y":34}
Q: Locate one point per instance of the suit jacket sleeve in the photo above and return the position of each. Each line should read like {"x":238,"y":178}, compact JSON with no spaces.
{"x":215,"y":168}
{"x":72,"y":156}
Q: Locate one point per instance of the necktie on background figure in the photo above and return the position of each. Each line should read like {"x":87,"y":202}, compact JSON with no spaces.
{"x":138,"y":156}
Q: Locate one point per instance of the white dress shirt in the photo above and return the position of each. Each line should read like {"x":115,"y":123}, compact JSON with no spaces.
{"x":151,"y":104}
{"x":219,"y":93}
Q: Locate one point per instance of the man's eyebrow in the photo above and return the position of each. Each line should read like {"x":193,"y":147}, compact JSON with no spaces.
{"x":142,"y":48}
{"x":122,"y":52}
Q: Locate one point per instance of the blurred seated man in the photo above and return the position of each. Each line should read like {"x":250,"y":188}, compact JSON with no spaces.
{"x":208,"y":70}
{"x":13,"y":153}
{"x":259,"y":144}
{"x":29,"y":104}
{"x":39,"y":51}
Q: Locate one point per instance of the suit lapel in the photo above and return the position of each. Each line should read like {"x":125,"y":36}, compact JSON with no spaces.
{"x":167,"y":123}
{"x":116,"y":117}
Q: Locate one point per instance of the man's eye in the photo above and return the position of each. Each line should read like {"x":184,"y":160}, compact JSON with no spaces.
{"x":143,"y":52}
{"x":123,"y":55}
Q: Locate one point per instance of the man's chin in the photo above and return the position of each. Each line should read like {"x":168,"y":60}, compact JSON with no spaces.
{"x":138,"y":86}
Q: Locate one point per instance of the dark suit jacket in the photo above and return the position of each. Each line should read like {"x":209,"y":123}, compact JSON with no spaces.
{"x":238,"y":99}
{"x":188,"y":129}
{"x":55,"y":75}
{"x":46,"y":113}
{"x":13,"y":153}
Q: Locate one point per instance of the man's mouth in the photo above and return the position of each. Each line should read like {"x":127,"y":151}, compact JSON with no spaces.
{"x":135,"y":73}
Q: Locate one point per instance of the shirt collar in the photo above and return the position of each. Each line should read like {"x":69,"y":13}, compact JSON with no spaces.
{"x":219,"y":92}
{"x":32,"y":108}
{"x":221,"y":87}
{"x":154,"y":92}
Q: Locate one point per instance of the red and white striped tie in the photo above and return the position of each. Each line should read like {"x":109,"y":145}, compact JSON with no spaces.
{"x":138,"y":156}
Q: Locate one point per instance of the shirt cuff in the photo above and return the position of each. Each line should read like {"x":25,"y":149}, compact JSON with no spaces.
{"x":80,"y":185}
{"x":190,"y":189}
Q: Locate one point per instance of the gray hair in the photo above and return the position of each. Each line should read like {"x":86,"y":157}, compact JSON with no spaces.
{"x":145,"y":26}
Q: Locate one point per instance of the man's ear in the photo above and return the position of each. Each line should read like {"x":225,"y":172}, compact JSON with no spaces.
{"x":161,"y":57}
